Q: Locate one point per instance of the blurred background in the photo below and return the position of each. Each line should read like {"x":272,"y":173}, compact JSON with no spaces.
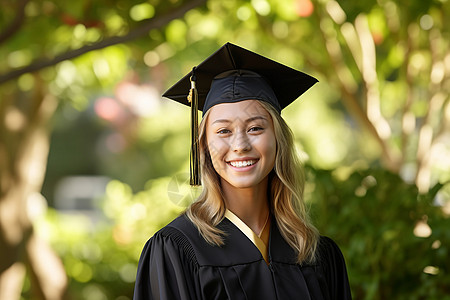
{"x":93,"y":161}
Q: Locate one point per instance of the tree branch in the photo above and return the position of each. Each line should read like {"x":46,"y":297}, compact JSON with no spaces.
{"x":408,"y":117}
{"x":370,"y":78}
{"x":16,"y":23}
{"x":348,"y":87}
{"x":49,"y":280}
{"x":427,"y":134}
{"x":133,"y":34}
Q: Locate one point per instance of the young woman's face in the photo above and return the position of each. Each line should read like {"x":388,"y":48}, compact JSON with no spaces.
{"x":241,"y":142}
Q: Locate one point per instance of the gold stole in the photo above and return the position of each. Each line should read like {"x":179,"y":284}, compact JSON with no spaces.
{"x":261,"y":240}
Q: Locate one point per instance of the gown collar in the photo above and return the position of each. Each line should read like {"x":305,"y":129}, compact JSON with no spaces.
{"x":261,"y":240}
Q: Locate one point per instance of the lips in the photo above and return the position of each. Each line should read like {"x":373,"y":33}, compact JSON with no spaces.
{"x":242,"y":163}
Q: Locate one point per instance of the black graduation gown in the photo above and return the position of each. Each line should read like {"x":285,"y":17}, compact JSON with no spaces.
{"x":177,"y":263}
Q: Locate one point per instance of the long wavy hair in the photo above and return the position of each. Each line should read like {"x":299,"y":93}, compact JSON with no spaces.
{"x":286,"y":185}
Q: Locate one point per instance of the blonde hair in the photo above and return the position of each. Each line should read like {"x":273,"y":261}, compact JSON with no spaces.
{"x":286,"y":184}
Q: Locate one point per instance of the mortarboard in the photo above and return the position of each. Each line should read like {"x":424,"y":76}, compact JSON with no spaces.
{"x":233,"y":74}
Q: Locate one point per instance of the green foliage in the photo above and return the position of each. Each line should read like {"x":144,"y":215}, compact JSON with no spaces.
{"x":383,"y":228}
{"x":100,"y":253}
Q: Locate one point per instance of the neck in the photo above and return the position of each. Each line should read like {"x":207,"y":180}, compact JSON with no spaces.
{"x":249,"y":204}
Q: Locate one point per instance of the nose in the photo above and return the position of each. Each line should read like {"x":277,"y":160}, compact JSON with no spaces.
{"x":241,"y":142}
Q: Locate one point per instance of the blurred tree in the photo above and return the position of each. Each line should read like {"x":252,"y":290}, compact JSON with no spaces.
{"x":391,"y":66}
{"x":37,"y":35}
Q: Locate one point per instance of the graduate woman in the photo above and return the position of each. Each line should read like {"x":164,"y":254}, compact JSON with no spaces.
{"x":248,"y":235}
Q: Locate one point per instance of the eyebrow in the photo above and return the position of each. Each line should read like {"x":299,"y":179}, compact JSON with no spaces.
{"x":246,"y":121}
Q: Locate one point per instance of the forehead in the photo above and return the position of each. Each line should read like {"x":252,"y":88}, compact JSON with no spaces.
{"x":242,"y":110}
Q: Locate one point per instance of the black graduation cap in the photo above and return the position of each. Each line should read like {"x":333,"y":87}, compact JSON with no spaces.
{"x":233,"y":74}
{"x":287,"y":83}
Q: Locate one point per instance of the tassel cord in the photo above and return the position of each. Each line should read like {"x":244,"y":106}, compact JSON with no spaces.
{"x":195,"y":151}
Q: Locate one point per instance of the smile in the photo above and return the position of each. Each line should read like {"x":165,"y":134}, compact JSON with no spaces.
{"x":243,"y":163}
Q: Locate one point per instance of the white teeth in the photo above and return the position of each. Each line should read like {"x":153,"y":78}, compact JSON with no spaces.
{"x":240,"y":164}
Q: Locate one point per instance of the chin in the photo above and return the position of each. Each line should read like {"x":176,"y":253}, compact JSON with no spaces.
{"x":243,"y":184}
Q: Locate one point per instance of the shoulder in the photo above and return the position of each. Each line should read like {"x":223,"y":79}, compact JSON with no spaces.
{"x":176,"y":229}
{"x":180,"y":229}
{"x":183,"y":236}
{"x":172,"y":238}
{"x":328,"y":252}
{"x":184,"y":231}
{"x":327,"y":246}
{"x":176,"y":232}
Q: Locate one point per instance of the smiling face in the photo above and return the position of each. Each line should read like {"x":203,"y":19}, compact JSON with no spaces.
{"x":241,"y":142}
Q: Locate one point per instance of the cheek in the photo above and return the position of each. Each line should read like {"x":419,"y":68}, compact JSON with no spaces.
{"x":270,"y":150}
{"x":267,"y":144}
{"x":217,"y":149}
{"x":272,"y":154}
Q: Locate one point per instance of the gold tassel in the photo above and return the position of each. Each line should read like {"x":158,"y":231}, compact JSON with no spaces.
{"x":195,"y":151}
